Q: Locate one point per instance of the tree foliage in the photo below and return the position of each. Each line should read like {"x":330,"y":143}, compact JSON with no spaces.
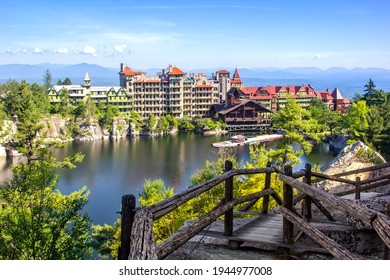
{"x":155,"y":191}
{"x":107,"y":118}
{"x":356,"y":121}
{"x":106,"y":240}
{"x":151,"y":123}
{"x":298,"y":124}
{"x":162,"y":125}
{"x":38,"y":221}
{"x":47,"y":80}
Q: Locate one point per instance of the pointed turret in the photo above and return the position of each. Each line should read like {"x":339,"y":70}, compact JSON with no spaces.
{"x":337,"y":95}
{"x":236,"y":81}
{"x":87,"y":80}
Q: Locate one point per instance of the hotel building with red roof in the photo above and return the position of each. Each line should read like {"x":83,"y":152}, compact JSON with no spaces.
{"x":171,"y":90}
{"x":191,"y":94}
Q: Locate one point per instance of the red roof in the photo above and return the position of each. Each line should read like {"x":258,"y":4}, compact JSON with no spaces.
{"x":270,"y":89}
{"x":250,"y":90}
{"x":128,"y":71}
{"x":292,"y":90}
{"x":324,"y":95}
{"x":346,"y":101}
{"x":152,"y":81}
{"x":176,"y":71}
{"x":223,"y":72}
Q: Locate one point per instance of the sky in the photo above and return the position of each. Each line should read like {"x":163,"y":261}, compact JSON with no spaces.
{"x":197,"y":34}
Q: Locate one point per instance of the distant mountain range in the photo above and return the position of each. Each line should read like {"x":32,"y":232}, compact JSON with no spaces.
{"x":348,"y":80}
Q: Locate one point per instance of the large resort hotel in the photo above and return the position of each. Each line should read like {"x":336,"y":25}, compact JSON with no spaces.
{"x":192,"y":95}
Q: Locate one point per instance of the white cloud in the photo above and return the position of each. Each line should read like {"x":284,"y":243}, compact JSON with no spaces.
{"x":37,"y":51}
{"x":89,"y":50}
{"x":61,"y":50}
{"x":118,"y":49}
{"x":9,"y":51}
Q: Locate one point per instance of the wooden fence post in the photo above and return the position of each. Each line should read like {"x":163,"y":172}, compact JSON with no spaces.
{"x":127,"y":217}
{"x":306,"y":208}
{"x":357,"y":188}
{"x":267,"y":185}
{"x":386,"y":254}
{"x":288,"y":227}
{"x":228,"y":219}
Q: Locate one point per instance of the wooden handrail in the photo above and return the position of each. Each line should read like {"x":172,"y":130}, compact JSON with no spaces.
{"x":333,"y":178}
{"x":379,"y":222}
{"x":360,"y":170}
{"x":166,"y":206}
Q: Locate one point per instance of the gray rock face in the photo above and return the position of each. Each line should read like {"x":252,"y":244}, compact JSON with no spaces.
{"x":352,"y":157}
{"x":90,"y":132}
{"x":120,"y":129}
{"x":338,"y":142}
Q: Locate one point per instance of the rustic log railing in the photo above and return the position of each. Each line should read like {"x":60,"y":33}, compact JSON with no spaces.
{"x":137,"y":239}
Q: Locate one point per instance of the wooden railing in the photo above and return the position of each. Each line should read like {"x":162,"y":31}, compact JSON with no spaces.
{"x":137,"y":238}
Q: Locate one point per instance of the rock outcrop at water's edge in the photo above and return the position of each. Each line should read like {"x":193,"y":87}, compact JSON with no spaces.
{"x":120,"y":129}
{"x":352,"y":157}
{"x":337,"y":142}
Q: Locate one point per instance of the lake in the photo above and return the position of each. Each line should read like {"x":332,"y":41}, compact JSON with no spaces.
{"x":112,"y":168}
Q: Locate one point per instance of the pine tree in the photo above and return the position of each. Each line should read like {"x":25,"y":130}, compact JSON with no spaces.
{"x":47,"y":80}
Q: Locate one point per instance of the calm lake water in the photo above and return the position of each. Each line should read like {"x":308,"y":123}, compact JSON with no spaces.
{"x":112,"y":168}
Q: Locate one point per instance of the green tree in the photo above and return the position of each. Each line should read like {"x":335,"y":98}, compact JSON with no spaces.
{"x":162,"y":125}
{"x":207,"y":123}
{"x":356,"y":121}
{"x":109,"y":114}
{"x":372,"y":96}
{"x":25,"y":107}
{"x":375,"y":127}
{"x":65,"y":107}
{"x":11,"y":97}
{"x":155,"y":191}
{"x":38,"y":222}
{"x":67,"y":81}
{"x":173,"y":122}
{"x":298,"y":126}
{"x":334,"y":122}
{"x":319,"y":111}
{"x":207,"y":201}
{"x":185,"y":124}
{"x":151,"y":123}
{"x":259,"y":156}
{"x":106,"y":240}
{"x":370,"y":88}
{"x":47,"y":80}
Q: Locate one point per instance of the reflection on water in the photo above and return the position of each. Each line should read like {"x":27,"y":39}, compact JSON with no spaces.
{"x":113,"y":168}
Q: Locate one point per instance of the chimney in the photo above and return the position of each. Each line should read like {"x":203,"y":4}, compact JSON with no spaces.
{"x":122,"y":67}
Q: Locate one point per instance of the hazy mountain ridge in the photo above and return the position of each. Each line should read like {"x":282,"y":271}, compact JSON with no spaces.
{"x":349,"y":81}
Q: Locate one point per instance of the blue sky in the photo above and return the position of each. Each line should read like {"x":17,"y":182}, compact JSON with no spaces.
{"x":197,"y":34}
